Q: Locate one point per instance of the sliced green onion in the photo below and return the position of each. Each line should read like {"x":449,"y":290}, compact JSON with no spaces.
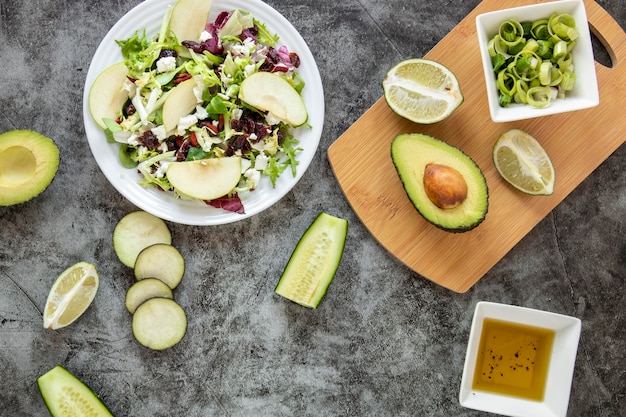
{"x":539,"y":97}
{"x":555,"y":77}
{"x":545,"y":73}
{"x":505,"y":100}
{"x":531,"y":45}
{"x":498,"y":62}
{"x":544,"y":48}
{"x":563,"y":26}
{"x":560,"y":50}
{"x":568,"y":81}
{"x":521,"y":90}
{"x":506,"y":83}
{"x":533,"y":61}
{"x":511,"y":32}
{"x":539,"y":30}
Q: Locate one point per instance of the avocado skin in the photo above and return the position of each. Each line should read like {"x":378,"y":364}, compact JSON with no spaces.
{"x":411,"y":152}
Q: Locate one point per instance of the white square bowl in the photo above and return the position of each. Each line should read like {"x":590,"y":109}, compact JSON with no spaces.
{"x":585,"y":93}
{"x":560,"y":368}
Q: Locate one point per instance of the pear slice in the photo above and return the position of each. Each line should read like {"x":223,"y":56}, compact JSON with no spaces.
{"x":206,"y":179}
{"x":270,"y":92}
{"x":106,"y":96}
{"x":189,"y":19}
{"x":180,"y":102}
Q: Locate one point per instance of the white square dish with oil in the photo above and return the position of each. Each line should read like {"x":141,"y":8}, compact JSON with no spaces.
{"x":519,"y":361}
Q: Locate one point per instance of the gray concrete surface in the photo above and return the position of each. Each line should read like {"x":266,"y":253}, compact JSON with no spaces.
{"x":385,"y":341}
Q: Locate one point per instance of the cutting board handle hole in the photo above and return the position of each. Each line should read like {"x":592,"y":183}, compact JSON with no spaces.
{"x":601,"y":53}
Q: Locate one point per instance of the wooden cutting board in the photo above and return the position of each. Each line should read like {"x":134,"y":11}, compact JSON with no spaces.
{"x":577,"y":143}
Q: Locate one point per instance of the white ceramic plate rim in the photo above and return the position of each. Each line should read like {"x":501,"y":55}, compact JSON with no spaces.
{"x":149,"y":15}
{"x":585,"y":93}
{"x":560,"y":373}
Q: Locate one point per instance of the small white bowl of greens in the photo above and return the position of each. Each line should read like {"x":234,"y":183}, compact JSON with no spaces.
{"x":538,"y":60}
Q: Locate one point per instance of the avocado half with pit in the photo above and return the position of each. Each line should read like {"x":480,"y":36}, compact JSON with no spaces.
{"x":28,"y":164}
{"x":444,"y":184}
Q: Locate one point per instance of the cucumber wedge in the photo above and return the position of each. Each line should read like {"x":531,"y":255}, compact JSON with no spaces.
{"x":314,"y":261}
{"x":66,"y":395}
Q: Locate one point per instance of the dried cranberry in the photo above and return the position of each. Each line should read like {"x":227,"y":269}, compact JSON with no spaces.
{"x":295,"y":59}
{"x":149,"y":140}
{"x":193,"y":45}
{"x":168,"y":53}
{"x":238,"y":145}
{"x":129,"y":110}
{"x":181,"y":154}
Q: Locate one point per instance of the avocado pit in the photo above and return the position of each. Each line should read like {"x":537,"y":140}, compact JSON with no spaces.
{"x":445,"y":186}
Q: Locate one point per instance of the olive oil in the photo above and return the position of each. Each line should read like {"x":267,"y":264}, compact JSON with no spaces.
{"x":513,"y":359}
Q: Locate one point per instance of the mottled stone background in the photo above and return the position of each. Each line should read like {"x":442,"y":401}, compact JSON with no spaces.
{"x":384,"y":342}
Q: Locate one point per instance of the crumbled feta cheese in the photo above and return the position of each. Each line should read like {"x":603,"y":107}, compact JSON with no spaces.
{"x":197,"y":91}
{"x":129,"y":86}
{"x":237,"y":113}
{"x":261,"y":162}
{"x":132,"y":140}
{"x":252,"y":178}
{"x":186,"y":122}
{"x":271,"y":119}
{"x":159,"y":132}
{"x":259,"y":146}
{"x":249,"y":69}
{"x":205,"y":36}
{"x":245,"y":164}
{"x":237,"y":49}
{"x":201,"y":113}
{"x":166,"y":64}
{"x":160,"y":172}
{"x":141,"y":150}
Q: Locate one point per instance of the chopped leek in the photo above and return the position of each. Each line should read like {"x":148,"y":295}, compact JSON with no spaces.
{"x":533,"y":60}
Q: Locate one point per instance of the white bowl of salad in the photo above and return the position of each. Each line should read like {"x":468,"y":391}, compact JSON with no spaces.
{"x":538,"y":60}
{"x":140,"y":137}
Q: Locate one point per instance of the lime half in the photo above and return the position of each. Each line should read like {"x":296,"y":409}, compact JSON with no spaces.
{"x":422,"y":90}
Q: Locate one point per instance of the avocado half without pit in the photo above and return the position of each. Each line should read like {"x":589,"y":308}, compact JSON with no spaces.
{"x":444,"y":184}
{"x":28,"y":164}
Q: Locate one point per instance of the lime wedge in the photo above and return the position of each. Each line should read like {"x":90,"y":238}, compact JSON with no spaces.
{"x":523,"y":163}
{"x":70,"y":295}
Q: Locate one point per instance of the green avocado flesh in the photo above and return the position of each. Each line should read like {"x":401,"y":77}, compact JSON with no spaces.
{"x":411,"y":153}
{"x":28,"y":164}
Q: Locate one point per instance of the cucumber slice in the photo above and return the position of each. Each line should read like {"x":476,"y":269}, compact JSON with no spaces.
{"x":160,"y":261}
{"x":66,"y":395}
{"x":135,"y":232}
{"x":314,"y":261}
{"x":144,"y":290}
{"x":159,"y":323}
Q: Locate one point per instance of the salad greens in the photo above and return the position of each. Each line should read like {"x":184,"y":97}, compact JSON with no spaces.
{"x":231,"y":48}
